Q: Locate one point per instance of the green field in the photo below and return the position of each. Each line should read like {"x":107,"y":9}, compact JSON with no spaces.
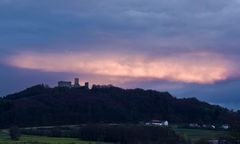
{"x":196,"y":134}
{"x":4,"y":139}
{"x":192,"y":134}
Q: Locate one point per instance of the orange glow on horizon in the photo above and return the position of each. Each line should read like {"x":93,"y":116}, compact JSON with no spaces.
{"x":201,"y":68}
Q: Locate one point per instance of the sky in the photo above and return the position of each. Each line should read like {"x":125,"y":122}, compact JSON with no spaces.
{"x":190,"y":48}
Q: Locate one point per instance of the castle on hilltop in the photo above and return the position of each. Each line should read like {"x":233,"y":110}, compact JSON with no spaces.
{"x":68,"y":84}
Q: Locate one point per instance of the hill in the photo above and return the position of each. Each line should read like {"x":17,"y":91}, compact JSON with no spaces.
{"x":41,"y":105}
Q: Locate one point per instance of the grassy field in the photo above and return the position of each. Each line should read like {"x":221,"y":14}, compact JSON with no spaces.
{"x":196,"y":134}
{"x":192,"y":134}
{"x":4,"y":139}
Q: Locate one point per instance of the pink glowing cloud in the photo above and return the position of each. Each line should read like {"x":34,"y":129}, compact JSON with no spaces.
{"x":201,"y":67}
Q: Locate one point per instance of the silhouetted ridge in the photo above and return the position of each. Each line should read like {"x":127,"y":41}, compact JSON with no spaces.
{"x":41,"y":105}
{"x":32,"y":91}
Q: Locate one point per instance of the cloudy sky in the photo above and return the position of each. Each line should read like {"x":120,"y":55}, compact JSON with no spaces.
{"x":189,"y":47}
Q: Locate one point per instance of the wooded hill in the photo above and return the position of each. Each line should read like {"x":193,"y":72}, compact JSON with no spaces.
{"x":41,"y":106}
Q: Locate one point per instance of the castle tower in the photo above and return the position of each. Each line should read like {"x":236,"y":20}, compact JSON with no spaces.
{"x":86,"y":85}
{"x":76,"y":82}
